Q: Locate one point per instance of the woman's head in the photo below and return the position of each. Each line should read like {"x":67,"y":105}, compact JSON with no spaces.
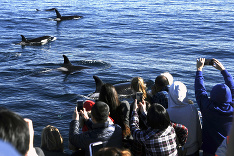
{"x":109,"y":95}
{"x":51,"y":139}
{"x":138,"y":85}
{"x":157,"y":117}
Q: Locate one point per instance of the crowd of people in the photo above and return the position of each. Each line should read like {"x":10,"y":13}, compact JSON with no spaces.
{"x":163,"y":122}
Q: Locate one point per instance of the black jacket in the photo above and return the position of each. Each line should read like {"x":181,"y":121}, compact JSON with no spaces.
{"x":111,"y":134}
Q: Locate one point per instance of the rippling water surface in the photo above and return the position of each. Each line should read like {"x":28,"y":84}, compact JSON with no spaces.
{"x":117,"y":39}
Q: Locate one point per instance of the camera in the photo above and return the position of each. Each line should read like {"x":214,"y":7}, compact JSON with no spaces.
{"x":80,"y":104}
{"x":139,"y":96}
{"x":209,"y":62}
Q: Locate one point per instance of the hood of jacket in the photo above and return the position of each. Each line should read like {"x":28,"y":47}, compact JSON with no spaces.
{"x":178,"y":95}
{"x":221,"y":96}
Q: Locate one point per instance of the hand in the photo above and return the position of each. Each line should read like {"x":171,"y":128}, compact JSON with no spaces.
{"x":142,"y":106}
{"x":218,"y":65}
{"x":200,"y":64}
{"x":31,"y":133}
{"x":84,"y":114}
{"x":135,"y":106}
{"x":75,"y":115}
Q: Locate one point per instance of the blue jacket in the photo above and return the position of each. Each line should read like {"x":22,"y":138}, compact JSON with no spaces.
{"x":217,"y":111}
{"x":111,"y":134}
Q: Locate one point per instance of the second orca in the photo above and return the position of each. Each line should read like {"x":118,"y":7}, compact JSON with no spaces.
{"x":68,"y":68}
{"x":61,"y":18}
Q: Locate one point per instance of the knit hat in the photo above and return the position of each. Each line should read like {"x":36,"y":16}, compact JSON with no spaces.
{"x":88,"y":104}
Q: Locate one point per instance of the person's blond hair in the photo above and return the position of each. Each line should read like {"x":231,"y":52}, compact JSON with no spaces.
{"x":138,"y":85}
{"x":51,"y":139}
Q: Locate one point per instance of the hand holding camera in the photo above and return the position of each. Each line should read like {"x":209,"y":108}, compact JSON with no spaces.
{"x":201,"y":62}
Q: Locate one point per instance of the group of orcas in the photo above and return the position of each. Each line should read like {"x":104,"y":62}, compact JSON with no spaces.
{"x":67,"y":67}
{"x":45,"y":39}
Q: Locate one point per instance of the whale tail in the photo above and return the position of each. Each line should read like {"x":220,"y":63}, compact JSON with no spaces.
{"x":66,"y":60}
{"x":99,"y":84}
{"x":57,"y":13}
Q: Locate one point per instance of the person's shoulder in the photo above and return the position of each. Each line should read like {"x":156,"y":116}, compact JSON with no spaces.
{"x":125,"y":104}
{"x":116,"y":126}
{"x":39,"y":151}
{"x":51,"y":153}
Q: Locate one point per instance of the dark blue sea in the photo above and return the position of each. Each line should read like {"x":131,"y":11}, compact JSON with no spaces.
{"x":116,"y":39}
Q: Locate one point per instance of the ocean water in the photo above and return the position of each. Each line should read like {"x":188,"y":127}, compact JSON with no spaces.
{"x":116,"y":39}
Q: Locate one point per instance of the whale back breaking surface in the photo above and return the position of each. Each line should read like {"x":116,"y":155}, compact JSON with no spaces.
{"x":36,"y":41}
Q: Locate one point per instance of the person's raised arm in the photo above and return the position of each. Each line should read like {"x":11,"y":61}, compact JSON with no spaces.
{"x":200,"y":64}
{"x":31,"y":150}
{"x":200,"y":90}
{"x":227,"y":76}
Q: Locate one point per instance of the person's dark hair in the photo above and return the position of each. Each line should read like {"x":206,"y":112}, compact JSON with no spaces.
{"x":112,"y":151}
{"x":100,"y":111}
{"x":157,"y":117}
{"x":160,"y":82}
{"x":14,"y":130}
{"x":109,"y":95}
{"x":51,"y":139}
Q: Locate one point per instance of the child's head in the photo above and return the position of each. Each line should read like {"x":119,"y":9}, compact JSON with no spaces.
{"x":157,"y":117}
{"x":51,"y":139}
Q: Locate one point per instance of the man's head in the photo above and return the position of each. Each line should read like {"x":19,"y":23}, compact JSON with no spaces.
{"x":157,"y":117}
{"x":100,"y":112}
{"x":161,"y":82}
{"x":14,"y":129}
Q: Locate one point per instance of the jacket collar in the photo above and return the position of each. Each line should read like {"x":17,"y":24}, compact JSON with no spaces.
{"x":100,"y":125}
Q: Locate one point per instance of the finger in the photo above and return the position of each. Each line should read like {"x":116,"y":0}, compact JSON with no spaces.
{"x":75,"y":111}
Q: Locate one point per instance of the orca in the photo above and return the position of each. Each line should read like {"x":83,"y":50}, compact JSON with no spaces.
{"x":46,"y":9}
{"x":61,"y":18}
{"x":123,"y":89}
{"x":68,"y":68}
{"x":36,"y":41}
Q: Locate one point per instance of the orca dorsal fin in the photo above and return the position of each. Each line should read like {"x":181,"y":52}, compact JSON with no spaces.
{"x":66,"y":60}
{"x":57,"y":13}
{"x":99,"y":84}
{"x":23,"y":38}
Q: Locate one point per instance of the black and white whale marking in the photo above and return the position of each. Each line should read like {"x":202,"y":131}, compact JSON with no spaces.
{"x":61,"y":18}
{"x":68,"y":68}
{"x":36,"y":41}
{"x":123,"y":89}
